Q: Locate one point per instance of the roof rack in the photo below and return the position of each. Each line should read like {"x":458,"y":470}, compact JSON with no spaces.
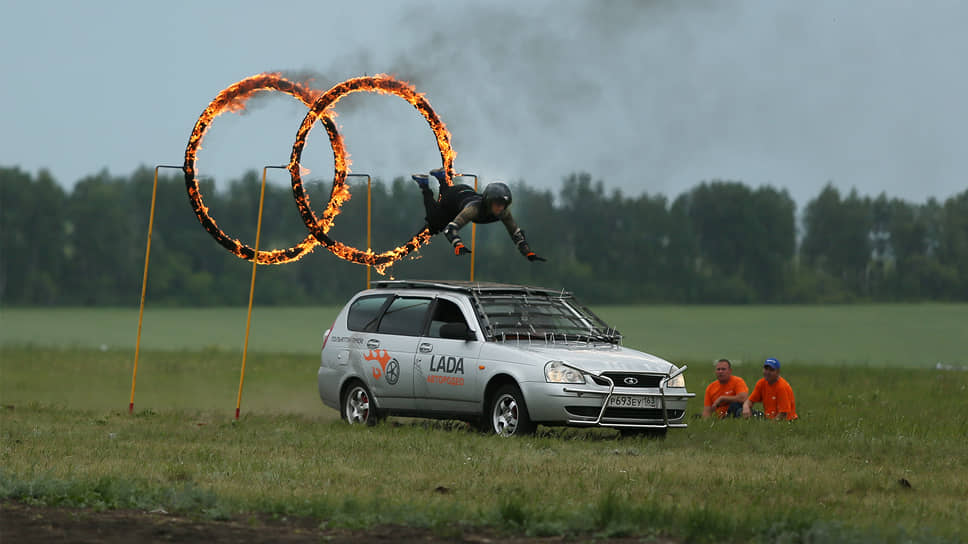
{"x":468,"y":287}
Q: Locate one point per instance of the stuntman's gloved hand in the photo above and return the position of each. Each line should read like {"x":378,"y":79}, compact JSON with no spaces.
{"x":459,"y":250}
{"x":532,"y":257}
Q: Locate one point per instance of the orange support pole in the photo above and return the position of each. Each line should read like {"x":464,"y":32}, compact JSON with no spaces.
{"x":369,"y":199}
{"x":144,"y":283}
{"x":255,"y":265}
{"x":473,"y":228}
{"x":369,"y":215}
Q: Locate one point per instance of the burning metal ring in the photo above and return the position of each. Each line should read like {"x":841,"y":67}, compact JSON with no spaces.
{"x":233,"y":98}
{"x":383,"y":84}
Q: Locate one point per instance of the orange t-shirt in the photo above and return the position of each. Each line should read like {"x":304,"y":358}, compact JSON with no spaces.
{"x":776,"y":398}
{"x":733,"y":386}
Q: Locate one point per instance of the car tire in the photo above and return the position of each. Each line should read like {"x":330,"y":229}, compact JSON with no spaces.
{"x":648,"y":433}
{"x":507,"y":414}
{"x":357,"y":406}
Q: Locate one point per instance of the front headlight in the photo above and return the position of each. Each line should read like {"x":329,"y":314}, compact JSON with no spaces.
{"x":557,"y":372}
{"x":678,"y":381}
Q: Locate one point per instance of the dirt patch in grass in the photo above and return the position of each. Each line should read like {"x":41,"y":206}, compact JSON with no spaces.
{"x":41,"y":524}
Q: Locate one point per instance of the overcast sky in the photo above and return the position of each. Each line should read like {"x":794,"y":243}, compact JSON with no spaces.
{"x":648,"y":96}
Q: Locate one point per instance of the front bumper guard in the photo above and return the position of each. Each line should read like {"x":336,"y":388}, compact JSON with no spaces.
{"x":608,"y":396}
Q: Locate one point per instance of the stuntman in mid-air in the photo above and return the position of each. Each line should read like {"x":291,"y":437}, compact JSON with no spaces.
{"x":460,"y":204}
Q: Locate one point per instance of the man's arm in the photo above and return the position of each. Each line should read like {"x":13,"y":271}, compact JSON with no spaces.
{"x":729,"y":399}
{"x":726,"y":399}
{"x":707,"y":411}
{"x":517,"y":236}
{"x":755,"y":396}
{"x":747,"y":408}
{"x":468,"y":214}
{"x":752,"y":398}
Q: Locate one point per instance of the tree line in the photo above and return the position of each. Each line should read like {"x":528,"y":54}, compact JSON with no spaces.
{"x":719,"y":242}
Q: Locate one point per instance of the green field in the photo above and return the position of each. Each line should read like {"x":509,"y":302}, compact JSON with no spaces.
{"x":910,"y":335}
{"x":66,"y":439}
{"x":875,"y":415}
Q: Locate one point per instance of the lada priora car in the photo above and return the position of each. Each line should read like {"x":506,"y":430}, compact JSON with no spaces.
{"x":506,"y":357}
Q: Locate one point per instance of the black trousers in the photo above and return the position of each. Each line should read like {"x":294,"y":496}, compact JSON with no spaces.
{"x":453,"y":198}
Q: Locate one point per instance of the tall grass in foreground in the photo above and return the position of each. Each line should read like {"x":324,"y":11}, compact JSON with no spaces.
{"x":833,"y":476}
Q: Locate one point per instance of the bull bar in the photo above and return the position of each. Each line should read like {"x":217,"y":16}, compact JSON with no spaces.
{"x":608,"y":396}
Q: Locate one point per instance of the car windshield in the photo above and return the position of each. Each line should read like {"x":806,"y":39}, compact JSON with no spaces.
{"x":546,"y":317}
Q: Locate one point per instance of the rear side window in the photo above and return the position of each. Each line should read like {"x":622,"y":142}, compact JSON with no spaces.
{"x":445,"y":312}
{"x":405,"y":316}
{"x":364,"y":313}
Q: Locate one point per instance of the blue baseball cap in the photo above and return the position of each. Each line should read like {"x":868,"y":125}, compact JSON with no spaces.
{"x":772,"y":363}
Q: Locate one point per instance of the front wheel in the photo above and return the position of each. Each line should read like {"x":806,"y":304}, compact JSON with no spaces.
{"x":507,"y":414}
{"x":358,"y":406}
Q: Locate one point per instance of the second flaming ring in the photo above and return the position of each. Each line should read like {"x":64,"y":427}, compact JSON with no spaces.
{"x":319,"y":228}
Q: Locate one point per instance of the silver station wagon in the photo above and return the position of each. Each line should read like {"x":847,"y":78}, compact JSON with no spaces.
{"x":506,"y":357}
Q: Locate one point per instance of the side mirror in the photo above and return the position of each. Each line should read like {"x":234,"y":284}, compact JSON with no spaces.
{"x":457,"y":331}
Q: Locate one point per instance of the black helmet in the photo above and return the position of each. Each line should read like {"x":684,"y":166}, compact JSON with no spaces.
{"x":496,"y":192}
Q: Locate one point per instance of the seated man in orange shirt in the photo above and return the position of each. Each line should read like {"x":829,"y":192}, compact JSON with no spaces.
{"x":774,"y":392}
{"x":726,"y":394}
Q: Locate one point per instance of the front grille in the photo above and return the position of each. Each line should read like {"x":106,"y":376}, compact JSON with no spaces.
{"x":641,"y":380}
{"x":623,"y":413}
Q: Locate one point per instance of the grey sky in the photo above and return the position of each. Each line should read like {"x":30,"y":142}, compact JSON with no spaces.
{"x":648,"y":96}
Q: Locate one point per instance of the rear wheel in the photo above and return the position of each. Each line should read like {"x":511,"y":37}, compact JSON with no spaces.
{"x":507,"y":414}
{"x":358,"y":406}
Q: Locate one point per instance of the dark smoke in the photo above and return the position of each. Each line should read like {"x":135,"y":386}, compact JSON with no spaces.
{"x":659,"y":96}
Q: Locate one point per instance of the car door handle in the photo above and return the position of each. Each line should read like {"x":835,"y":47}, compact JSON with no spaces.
{"x":373,"y":343}
{"x":426,"y":348}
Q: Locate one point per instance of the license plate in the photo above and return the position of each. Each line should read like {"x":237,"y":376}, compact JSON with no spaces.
{"x":630,"y":401}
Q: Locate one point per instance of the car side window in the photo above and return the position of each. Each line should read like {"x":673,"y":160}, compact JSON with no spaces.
{"x":405,"y":316}
{"x":365,"y":312}
{"x":445,"y":312}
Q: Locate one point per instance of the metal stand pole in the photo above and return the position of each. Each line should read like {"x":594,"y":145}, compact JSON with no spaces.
{"x":473,"y":228}
{"x":144,"y":283}
{"x":369,"y":198}
{"x":255,"y":265}
{"x":369,"y":215}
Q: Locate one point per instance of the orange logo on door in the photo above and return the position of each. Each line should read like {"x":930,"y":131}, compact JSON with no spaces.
{"x":374,"y":355}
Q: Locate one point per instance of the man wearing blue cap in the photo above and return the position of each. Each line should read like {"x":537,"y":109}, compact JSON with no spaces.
{"x":774,"y":392}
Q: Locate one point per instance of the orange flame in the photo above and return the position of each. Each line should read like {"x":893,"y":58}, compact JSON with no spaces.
{"x":322,"y":109}
{"x":233,"y":99}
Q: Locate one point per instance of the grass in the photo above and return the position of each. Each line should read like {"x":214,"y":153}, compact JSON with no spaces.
{"x":911,"y":335}
{"x":273,"y":330}
{"x":167,"y":380}
{"x":66,"y":438}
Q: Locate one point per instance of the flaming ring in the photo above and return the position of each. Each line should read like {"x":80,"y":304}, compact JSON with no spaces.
{"x":232,"y":98}
{"x":383,"y":84}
